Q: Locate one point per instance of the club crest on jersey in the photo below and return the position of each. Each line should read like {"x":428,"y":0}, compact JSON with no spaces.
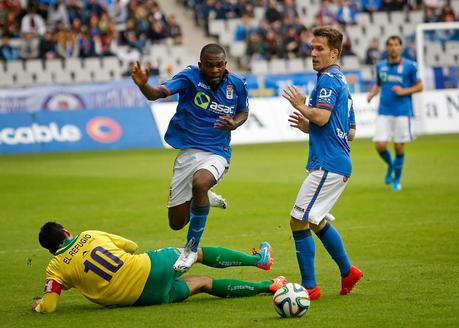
{"x":229,"y":91}
{"x":324,"y":95}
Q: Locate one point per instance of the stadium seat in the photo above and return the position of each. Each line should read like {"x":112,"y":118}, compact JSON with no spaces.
{"x":277,"y":66}
{"x":24,"y":79}
{"x":43,"y":77}
{"x":62,"y":77}
{"x":350,"y":62}
{"x":177,"y":51}
{"x":53,"y":66}
{"x":308,"y":64}
{"x":363,"y":19}
{"x":216,"y":26}
{"x":415,"y":17}
{"x":72,"y":64}
{"x":259,"y":66}
{"x":159,"y":52}
{"x":34,"y":66}
{"x":380,"y":18}
{"x":14,"y":66}
{"x":398,"y":17}
{"x":82,"y":76}
{"x":101,"y":75}
{"x":6,"y":80}
{"x":295,"y":65}
{"x":367,"y":72}
{"x":237,"y":49}
{"x":93,"y":64}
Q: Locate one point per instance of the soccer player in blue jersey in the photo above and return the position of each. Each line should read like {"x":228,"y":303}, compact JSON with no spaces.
{"x":212,"y":102}
{"x":397,"y":79}
{"x":328,"y":120}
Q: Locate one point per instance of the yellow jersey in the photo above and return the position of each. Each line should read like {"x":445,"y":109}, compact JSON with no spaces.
{"x":101,"y":266}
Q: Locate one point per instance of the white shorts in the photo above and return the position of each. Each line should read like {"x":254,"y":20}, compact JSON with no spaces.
{"x":398,"y":129}
{"x":187,"y":163}
{"x":319,"y":192}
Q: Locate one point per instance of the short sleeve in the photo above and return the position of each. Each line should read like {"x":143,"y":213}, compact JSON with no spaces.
{"x":176,"y":84}
{"x":243,"y":98}
{"x":327,"y":92}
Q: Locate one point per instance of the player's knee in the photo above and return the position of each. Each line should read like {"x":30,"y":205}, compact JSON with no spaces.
{"x":175,"y":224}
{"x":297,"y":225}
{"x":200,"y":187}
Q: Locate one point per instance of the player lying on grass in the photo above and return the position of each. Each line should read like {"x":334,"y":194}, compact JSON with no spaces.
{"x":104,"y":268}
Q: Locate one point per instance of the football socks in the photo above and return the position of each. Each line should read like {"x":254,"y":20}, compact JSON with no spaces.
{"x":198,"y":218}
{"x":333,"y":243}
{"x":305,"y":253}
{"x":220,"y":257}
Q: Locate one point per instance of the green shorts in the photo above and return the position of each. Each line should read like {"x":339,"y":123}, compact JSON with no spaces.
{"x":163,"y":284}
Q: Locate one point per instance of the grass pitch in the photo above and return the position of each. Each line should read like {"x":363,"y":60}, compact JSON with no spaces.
{"x":406,"y":243}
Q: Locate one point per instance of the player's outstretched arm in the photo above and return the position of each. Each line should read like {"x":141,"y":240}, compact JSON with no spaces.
{"x":140,"y":77}
{"x":228,"y":123}
{"x":297,"y":120}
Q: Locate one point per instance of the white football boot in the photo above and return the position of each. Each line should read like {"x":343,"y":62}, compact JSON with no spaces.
{"x":216,"y":200}
{"x":187,"y":258}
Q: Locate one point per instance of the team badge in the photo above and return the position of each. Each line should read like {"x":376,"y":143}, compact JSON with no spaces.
{"x":229,"y":91}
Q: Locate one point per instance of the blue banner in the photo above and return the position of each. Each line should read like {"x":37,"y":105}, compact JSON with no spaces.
{"x":78,"y":130}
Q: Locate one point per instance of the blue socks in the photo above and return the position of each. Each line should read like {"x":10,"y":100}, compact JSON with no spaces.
{"x":398,"y":166}
{"x":198,"y":218}
{"x":385,"y":155}
{"x":305,"y":253}
{"x":333,"y":243}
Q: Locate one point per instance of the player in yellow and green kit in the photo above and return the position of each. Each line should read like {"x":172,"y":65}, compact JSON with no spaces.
{"x":104,"y":268}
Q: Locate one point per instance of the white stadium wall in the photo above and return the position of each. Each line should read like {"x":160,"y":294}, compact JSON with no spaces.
{"x":436,"y":112}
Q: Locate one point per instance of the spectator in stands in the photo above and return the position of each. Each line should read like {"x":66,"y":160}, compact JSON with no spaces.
{"x":255,"y":47}
{"x":67,"y":46}
{"x":7,"y":52}
{"x":371,"y":5}
{"x":243,"y":29}
{"x":118,"y":11}
{"x":429,"y":15}
{"x":156,"y":32}
{"x":174,"y":31}
{"x":345,"y":14}
{"x":447,"y":13}
{"x":393,"y":5}
{"x":290,"y":10}
{"x":11,"y":25}
{"x":92,"y":8}
{"x":291,"y":43}
{"x":29,"y":47}
{"x":372,"y":53}
{"x":272,"y":45}
{"x":409,"y":51}
{"x":347,"y":47}
{"x":32,"y":22}
{"x":74,"y":10}
{"x":304,"y":44}
{"x":93,"y":27}
{"x":272,"y":12}
{"x":58,"y":12}
{"x":244,"y":7}
{"x":326,"y":15}
{"x":48,"y":46}
{"x":86,"y":46}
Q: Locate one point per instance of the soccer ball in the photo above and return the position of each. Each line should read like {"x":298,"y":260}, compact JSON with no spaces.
{"x":291,"y":300}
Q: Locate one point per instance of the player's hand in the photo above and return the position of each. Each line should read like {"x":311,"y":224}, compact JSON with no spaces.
{"x":398,"y":90}
{"x":294,"y":96}
{"x":225,"y":123}
{"x":298,"y":121}
{"x":36,"y":301}
{"x":369,"y":97}
{"x":351,"y":134}
{"x":139,"y":75}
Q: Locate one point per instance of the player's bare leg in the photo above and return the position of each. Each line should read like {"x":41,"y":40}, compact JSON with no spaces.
{"x":179,"y":215}
{"x":203,"y":180}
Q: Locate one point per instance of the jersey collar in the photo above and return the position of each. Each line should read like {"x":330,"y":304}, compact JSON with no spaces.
{"x":326,"y":69}
{"x":66,"y":245}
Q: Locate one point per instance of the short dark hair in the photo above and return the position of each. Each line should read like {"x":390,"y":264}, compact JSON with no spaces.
{"x":394,"y":37}
{"x":51,"y":236}
{"x":334,"y":37}
{"x":212,"y":48}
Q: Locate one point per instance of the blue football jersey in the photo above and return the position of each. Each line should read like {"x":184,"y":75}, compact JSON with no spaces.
{"x":199,"y":106}
{"x":403,"y":74}
{"x":328,"y":145}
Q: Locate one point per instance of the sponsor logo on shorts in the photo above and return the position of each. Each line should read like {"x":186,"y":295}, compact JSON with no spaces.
{"x":300,"y":209}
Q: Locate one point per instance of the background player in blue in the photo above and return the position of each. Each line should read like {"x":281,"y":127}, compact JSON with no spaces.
{"x":212,"y":102}
{"x":327,"y":118}
{"x":397,"y":80}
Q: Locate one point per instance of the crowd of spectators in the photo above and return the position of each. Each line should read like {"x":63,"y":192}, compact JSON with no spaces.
{"x":282,"y":33}
{"x":49,"y":29}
